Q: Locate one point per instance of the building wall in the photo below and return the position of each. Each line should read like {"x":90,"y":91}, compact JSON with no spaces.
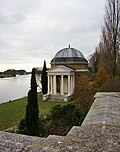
{"x":78,"y":74}
{"x":73,"y":65}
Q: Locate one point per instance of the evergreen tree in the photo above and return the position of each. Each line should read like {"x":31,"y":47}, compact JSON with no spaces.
{"x":44,"y":79}
{"x":32,"y":111}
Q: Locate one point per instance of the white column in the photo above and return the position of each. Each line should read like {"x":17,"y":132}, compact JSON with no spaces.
{"x":51,"y":80}
{"x":54,"y":83}
{"x":62,"y":85}
{"x":71,"y":84}
{"x":69,"y":92}
{"x":48,"y":84}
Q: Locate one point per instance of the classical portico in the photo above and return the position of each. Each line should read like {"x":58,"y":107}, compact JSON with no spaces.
{"x":66,"y":66}
{"x":61,"y":80}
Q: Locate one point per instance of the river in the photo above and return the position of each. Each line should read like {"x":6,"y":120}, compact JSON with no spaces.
{"x":16,"y":87}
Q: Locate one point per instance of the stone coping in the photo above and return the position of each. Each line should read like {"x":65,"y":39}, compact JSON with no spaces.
{"x":104,"y":110}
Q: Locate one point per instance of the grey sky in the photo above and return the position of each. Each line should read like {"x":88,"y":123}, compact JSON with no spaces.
{"x":34,"y":30}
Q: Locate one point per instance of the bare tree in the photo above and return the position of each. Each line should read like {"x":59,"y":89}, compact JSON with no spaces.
{"x":94,"y":61}
{"x":111,"y":32}
{"x":109,"y":46}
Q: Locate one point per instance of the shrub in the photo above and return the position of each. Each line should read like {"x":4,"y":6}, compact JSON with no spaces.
{"x":111,"y":85}
{"x":83,"y":94}
{"x":22,"y":127}
{"x":62,"y":118}
{"x":101,"y":77}
{"x":59,"y":121}
{"x":81,"y":88}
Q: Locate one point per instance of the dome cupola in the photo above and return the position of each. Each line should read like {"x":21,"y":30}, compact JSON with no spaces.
{"x":68,"y":55}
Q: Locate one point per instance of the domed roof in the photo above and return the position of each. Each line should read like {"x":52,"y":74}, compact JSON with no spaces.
{"x":68,"y":55}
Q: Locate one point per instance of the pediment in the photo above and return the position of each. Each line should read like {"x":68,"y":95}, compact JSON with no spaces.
{"x":60,"y":68}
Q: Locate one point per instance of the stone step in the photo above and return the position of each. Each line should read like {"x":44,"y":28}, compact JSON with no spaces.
{"x":55,"y":98}
{"x":55,"y":143}
{"x":86,"y":139}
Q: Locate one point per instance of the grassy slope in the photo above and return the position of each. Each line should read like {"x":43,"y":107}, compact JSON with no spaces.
{"x":12,"y":112}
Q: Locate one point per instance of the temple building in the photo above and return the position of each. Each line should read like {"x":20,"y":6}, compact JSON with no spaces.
{"x":66,"y":68}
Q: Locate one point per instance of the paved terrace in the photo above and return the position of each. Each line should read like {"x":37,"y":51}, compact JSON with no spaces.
{"x":99,"y":132}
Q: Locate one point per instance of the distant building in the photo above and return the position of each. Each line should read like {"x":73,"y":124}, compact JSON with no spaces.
{"x":66,"y":68}
{"x":38,"y":70}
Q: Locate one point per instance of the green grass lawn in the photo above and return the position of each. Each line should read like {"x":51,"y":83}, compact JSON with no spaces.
{"x":12,"y":112}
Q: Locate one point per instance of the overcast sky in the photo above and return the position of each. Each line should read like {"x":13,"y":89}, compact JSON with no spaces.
{"x":32,"y":31}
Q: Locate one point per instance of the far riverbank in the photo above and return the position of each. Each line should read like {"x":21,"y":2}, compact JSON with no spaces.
{"x":6,"y":76}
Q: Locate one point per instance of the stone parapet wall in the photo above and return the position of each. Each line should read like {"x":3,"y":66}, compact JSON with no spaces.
{"x":100,"y":132}
{"x":105,"y":110}
{"x":10,"y":142}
